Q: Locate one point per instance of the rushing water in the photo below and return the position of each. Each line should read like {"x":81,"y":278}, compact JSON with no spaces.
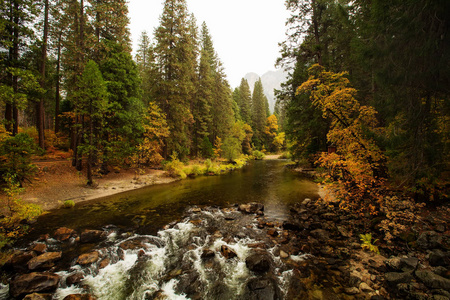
{"x":169,"y":265}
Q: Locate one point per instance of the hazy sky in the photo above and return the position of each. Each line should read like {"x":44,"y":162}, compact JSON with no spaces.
{"x":245,"y":33}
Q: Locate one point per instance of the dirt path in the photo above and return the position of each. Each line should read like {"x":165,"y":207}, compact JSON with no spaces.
{"x":58,"y":181}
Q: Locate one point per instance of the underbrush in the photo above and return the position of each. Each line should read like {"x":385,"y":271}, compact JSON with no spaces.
{"x":177,"y":169}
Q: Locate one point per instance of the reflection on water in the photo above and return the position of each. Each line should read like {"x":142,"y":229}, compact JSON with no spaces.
{"x":148,"y":209}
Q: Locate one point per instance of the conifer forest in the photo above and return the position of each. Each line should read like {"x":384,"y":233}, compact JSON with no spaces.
{"x":364,"y":111}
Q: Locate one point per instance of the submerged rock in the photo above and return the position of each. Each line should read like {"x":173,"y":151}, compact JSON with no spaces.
{"x":262,"y":289}
{"x":32,"y":283}
{"x":207,"y":254}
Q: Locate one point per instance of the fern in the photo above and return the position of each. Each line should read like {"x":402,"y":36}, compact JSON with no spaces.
{"x":366,"y":240}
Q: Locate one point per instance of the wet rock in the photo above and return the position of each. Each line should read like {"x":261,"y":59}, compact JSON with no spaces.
{"x":429,"y":240}
{"x":104,"y":263}
{"x":258,"y":262}
{"x":439,"y":258}
{"x":261,"y":289}
{"x":140,"y":243}
{"x":88,"y":258}
{"x":306,"y":202}
{"x":227,"y":252}
{"x":36,"y":296}
{"x":207,"y":254}
{"x":344,"y":231}
{"x":92,"y":236}
{"x":283,"y":254}
{"x":251,"y":208}
{"x":33,"y":283}
{"x":272,"y":232}
{"x":432,"y":280}
{"x":63,"y":234}
{"x":395,"y":278}
{"x":80,"y":297}
{"x":402,"y":264}
{"x":19,"y":259}
{"x":74,"y":278}
{"x":39,"y":248}
{"x":44,"y":261}
{"x":292,"y":225}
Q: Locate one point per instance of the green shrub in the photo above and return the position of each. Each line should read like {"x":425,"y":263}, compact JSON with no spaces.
{"x":175,"y":168}
{"x":258,"y":155}
{"x":15,"y":157}
{"x":69,"y":204}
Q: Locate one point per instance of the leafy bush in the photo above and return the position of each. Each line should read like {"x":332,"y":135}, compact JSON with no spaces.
{"x":16,"y":213}
{"x":175,"y":167}
{"x":69,"y":204}
{"x":258,"y":155}
{"x":15,"y":157}
{"x":366,"y":240}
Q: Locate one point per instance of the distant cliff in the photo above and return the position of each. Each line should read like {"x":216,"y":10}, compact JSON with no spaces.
{"x":270,"y":80}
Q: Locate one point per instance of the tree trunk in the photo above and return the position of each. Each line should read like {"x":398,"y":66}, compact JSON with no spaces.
{"x":40,"y":106}
{"x":57,"y":96}
{"x":91,"y":144}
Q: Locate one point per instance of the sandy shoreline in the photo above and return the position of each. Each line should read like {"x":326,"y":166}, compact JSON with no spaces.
{"x":58,"y":181}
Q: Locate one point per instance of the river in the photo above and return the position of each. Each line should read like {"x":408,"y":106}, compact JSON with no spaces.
{"x":176,"y":225}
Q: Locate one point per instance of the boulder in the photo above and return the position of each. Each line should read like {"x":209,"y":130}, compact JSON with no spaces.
{"x":39,"y":247}
{"x":432,"y":280}
{"x":104,"y":263}
{"x":92,"y":236}
{"x":74,"y":278}
{"x":88,"y":258}
{"x":395,"y":278}
{"x":402,"y":264}
{"x":292,"y":225}
{"x":227,"y":252}
{"x":207,"y":254}
{"x":33,"y":283}
{"x":251,"y":208}
{"x":44,"y":261}
{"x":429,"y":240}
{"x":439,"y":258}
{"x":258,"y":262}
{"x":19,"y":259}
{"x":63,"y":234}
{"x":262,"y":289}
{"x":36,"y":296}
{"x":80,"y":297}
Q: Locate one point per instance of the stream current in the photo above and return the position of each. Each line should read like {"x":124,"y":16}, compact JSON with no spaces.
{"x":164,"y":242}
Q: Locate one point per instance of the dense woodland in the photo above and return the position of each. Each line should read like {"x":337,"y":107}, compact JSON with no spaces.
{"x":69,"y":82}
{"x":367,"y":79}
{"x":388,"y":115}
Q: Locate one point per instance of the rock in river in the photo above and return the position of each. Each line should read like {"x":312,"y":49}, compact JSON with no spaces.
{"x":252,"y":208}
{"x":44,"y":261}
{"x":258,"y":262}
{"x":88,"y":258}
{"x":32,"y":283}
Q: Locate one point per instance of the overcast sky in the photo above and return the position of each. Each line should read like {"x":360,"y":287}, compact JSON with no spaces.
{"x":245,"y":33}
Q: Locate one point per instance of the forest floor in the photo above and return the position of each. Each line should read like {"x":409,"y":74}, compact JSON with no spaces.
{"x":57,"y":181}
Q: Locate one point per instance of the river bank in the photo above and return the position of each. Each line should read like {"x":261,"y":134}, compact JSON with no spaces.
{"x":57,"y":181}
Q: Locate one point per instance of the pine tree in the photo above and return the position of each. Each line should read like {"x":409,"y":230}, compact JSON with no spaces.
{"x":173,"y":82}
{"x":245,"y":101}
{"x":259,"y":113}
{"x":91,"y":106}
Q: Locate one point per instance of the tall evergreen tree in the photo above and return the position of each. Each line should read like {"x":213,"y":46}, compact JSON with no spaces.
{"x":259,"y":112}
{"x":245,"y":101}
{"x":173,"y":51}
